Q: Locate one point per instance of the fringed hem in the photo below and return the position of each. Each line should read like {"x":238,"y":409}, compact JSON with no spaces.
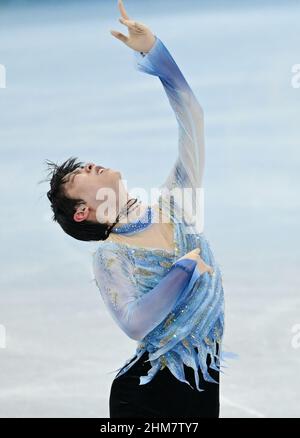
{"x":190,"y":351}
{"x":191,"y":354}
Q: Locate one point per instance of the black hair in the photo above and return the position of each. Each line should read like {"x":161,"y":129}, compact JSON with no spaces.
{"x":64,"y":207}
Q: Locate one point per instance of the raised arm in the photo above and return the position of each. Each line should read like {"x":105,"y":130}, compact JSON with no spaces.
{"x":188,"y":168}
{"x":138,"y":313}
{"x":152,"y":57}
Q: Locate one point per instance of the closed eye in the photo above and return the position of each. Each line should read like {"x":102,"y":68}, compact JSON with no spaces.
{"x":73,"y":175}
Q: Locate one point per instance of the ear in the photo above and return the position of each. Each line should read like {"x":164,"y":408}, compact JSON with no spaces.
{"x":81,"y":213}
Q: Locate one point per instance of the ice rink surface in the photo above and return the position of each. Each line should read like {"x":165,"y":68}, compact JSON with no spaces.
{"x":71,"y":90}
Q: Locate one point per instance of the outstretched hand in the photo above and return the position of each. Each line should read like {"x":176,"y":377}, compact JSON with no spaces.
{"x":140,"y":37}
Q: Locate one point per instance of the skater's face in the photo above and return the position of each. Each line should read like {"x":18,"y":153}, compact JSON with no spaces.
{"x":85,"y":183}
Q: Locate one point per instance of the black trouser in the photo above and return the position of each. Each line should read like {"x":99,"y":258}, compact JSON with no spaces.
{"x":164,"y":395}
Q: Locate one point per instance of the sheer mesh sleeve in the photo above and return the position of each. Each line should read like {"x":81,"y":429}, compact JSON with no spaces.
{"x":138,"y":313}
{"x":187,"y":170}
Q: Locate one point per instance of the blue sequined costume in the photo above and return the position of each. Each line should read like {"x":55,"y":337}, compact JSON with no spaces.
{"x":172,"y":310}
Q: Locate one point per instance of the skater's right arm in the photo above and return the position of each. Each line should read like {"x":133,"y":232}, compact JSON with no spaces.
{"x":139,"y":313}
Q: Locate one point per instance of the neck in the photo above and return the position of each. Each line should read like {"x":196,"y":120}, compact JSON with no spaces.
{"x":135,"y":210}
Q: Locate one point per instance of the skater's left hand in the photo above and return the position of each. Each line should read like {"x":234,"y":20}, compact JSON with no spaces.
{"x":140,"y":37}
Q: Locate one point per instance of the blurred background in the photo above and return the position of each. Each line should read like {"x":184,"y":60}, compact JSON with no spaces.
{"x":72,"y":90}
